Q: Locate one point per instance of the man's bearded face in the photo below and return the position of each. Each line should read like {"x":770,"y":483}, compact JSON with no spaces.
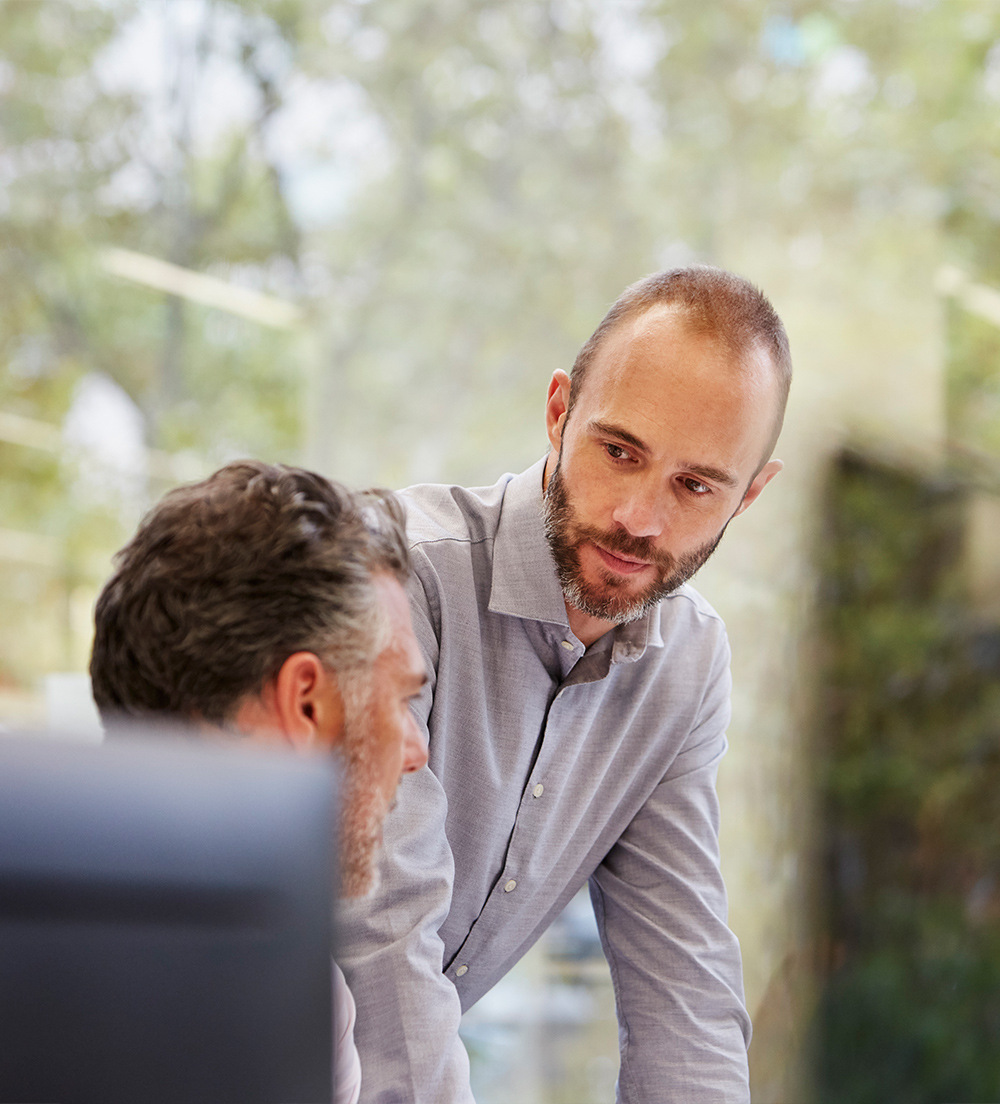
{"x":610,"y":597}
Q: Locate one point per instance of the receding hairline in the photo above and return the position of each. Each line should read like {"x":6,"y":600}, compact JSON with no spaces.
{"x":743,"y":352}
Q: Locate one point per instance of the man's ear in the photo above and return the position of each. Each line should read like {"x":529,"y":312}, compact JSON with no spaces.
{"x":761,"y":480}
{"x":556,"y":407}
{"x":308,"y":705}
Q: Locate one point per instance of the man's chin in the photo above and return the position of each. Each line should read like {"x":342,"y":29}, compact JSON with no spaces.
{"x":615,"y":602}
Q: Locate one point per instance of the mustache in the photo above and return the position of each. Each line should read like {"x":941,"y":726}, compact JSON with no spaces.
{"x":620,"y":541}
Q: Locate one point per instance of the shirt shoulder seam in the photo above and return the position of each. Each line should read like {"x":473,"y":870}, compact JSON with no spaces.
{"x":418,"y":542}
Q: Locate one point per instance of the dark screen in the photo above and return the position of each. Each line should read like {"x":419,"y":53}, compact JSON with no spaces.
{"x":165,"y":923}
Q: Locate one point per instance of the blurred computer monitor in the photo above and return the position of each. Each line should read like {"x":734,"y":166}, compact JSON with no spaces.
{"x":165,"y":923}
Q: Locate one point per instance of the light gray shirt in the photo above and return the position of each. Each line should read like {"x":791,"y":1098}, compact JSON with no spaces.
{"x":550,"y":764}
{"x":346,"y":1064}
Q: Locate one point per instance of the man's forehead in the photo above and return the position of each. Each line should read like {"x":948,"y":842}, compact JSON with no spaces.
{"x":402,"y":652}
{"x":651,"y":321}
{"x":653,"y":328}
{"x":665,"y":335}
{"x":392,"y":595}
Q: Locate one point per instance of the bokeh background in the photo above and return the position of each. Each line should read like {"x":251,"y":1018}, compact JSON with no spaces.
{"x":361,"y":234}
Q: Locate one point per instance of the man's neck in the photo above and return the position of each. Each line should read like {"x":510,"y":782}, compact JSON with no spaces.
{"x":586,"y":628}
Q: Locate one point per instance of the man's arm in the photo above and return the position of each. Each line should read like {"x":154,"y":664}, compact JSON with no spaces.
{"x":408,"y":1012}
{"x":661,"y":907}
{"x":346,"y":1064}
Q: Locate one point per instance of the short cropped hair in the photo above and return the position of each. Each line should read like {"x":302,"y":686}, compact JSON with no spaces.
{"x":713,"y":301}
{"x":226,"y":578}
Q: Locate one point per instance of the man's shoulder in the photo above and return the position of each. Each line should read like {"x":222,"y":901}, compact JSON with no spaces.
{"x":689,"y":603}
{"x":447,"y":512}
{"x":689,"y":622}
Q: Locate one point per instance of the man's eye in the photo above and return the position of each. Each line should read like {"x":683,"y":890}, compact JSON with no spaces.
{"x":616,"y":452}
{"x":695,"y":486}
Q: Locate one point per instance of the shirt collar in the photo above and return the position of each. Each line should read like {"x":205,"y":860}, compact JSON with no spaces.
{"x":525,"y":583}
{"x":633,"y":639}
{"x":524,"y":575}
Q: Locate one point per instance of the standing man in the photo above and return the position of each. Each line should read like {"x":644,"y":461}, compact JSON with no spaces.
{"x":577,"y":707}
{"x":269,"y":602}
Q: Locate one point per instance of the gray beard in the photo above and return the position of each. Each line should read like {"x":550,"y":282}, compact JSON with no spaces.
{"x":608,"y":600}
{"x":362,"y":807}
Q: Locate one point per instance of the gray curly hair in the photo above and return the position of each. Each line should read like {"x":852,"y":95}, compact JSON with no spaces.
{"x":228,"y":577}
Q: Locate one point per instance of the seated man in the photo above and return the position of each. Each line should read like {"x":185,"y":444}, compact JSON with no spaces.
{"x":268,"y":601}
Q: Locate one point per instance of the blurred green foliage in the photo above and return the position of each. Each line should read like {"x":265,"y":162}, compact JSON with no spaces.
{"x":453,"y":192}
{"x":910,"y":782}
{"x":974,"y":385}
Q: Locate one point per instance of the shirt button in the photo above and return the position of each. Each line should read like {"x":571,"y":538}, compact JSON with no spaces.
{"x":538,"y":790}
{"x":461,"y":971}
{"x":568,"y":645}
{"x":511,"y":885}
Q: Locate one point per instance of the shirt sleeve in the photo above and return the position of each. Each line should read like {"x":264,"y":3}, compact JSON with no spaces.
{"x":661,"y":909}
{"x":408,"y":1012}
{"x":347,"y":1066}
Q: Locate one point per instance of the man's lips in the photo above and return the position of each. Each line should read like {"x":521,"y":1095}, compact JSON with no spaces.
{"x":622,"y":564}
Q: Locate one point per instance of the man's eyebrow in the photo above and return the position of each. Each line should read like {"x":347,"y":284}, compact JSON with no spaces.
{"x":716,"y":475}
{"x":610,"y":430}
{"x":703,"y":471}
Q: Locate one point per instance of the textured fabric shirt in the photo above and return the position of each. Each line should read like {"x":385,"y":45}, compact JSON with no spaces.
{"x":346,"y":1064}
{"x":550,"y":764}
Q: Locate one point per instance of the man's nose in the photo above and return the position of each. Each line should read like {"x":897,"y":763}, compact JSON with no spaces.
{"x":414,"y":750}
{"x":642,"y":509}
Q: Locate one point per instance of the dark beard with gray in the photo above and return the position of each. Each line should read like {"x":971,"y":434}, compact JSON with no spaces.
{"x":610,"y":600}
{"x":363,"y":809}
